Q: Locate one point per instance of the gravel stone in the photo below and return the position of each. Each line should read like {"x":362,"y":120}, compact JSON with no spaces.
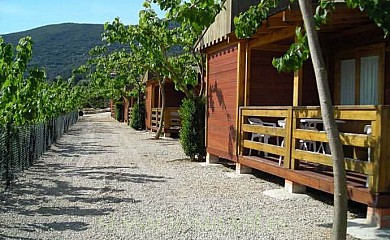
{"x":103,"y":180}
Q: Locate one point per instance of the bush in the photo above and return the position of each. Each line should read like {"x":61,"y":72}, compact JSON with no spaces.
{"x":192,"y":132}
{"x":119,"y":111}
{"x":138,"y":116}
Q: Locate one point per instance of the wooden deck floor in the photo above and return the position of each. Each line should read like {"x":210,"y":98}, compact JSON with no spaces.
{"x":319,"y":177}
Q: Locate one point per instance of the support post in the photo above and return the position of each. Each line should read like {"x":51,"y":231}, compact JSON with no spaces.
{"x":241,"y":169}
{"x":381,"y":154}
{"x":297,"y":101}
{"x":379,"y":217}
{"x":293,"y":187}
{"x":241,"y":75}
{"x":211,"y":159}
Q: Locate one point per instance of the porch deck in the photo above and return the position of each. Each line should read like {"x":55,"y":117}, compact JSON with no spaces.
{"x":320,"y":178}
{"x":367,"y":170}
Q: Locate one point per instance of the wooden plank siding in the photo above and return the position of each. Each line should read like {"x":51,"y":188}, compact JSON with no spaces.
{"x":173,"y":97}
{"x":222,"y":102}
{"x":309,"y":92}
{"x":223,"y":24}
{"x":220,"y":27}
{"x":267,"y":86}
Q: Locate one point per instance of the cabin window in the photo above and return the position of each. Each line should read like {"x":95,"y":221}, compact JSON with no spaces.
{"x":369,"y":69}
{"x":360,"y":76}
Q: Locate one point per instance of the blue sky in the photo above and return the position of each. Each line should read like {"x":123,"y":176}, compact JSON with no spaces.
{"x":20,"y":15}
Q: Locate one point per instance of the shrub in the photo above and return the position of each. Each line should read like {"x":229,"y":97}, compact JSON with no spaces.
{"x":192,"y":132}
{"x":138,"y":116}
{"x":119,"y":111}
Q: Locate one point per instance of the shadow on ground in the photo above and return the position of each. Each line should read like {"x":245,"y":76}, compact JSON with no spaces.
{"x":76,"y":226}
{"x":52,"y":190}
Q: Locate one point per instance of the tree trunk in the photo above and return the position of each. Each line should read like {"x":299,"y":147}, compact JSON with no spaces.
{"x":161,"y":122}
{"x":340,"y":185}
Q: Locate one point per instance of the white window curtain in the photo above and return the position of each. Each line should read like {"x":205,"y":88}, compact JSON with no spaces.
{"x":369,"y":68}
{"x":347,"y":94}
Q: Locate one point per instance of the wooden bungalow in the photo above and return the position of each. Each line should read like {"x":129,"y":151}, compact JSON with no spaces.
{"x":112,"y":108}
{"x":127,"y":105}
{"x":153,"y":106}
{"x":271,"y":121}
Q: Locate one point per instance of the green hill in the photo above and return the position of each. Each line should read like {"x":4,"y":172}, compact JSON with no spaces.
{"x":62,"y":47}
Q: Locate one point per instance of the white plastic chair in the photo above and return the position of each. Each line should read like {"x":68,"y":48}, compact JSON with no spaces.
{"x":368,"y":130}
{"x":262,"y":137}
{"x":281,"y":123}
{"x":306,"y":145}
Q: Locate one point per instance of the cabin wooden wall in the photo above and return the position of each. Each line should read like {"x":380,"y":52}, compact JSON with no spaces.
{"x":148,"y":104}
{"x":268,"y":87}
{"x":222,"y":102}
{"x":173,"y":97}
{"x":309,"y":86}
{"x":156,"y":96}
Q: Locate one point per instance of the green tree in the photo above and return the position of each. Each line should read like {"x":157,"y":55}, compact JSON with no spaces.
{"x":151,"y":39}
{"x":25,"y":96}
{"x":193,"y":17}
{"x":114,"y":75}
{"x":155,"y":39}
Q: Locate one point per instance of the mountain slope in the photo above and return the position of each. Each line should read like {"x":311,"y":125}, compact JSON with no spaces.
{"x":62,"y":47}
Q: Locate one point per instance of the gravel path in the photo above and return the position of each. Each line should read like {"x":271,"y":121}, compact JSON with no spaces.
{"x":103,"y":180}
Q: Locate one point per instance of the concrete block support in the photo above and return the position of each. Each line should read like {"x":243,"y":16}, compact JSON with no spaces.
{"x":379,"y":217}
{"x":211,"y":159}
{"x":293,"y":187}
{"x":241,"y":169}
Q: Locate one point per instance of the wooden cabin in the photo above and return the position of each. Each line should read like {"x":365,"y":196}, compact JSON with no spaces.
{"x":112,"y":108}
{"x":153,"y":106}
{"x":289,"y":140}
{"x":127,"y":105}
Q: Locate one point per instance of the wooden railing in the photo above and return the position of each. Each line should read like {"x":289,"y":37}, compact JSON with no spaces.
{"x":156,"y":116}
{"x":171,"y":118}
{"x":365,"y":153}
{"x":268,"y":114}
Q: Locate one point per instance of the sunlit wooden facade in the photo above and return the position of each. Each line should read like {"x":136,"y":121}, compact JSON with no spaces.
{"x":243,"y":84}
